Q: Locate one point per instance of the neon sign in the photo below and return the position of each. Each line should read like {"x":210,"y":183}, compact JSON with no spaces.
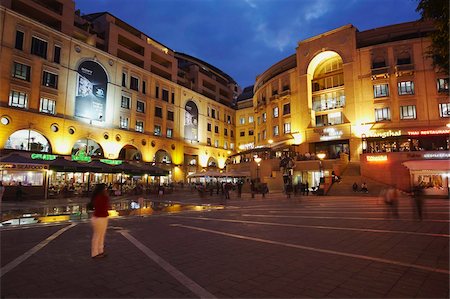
{"x":428,"y":132}
{"x":81,"y":156}
{"x":46,"y":157}
{"x":436,"y":155}
{"x":384,"y":134}
{"x":111,"y":162}
{"x":378,"y":158}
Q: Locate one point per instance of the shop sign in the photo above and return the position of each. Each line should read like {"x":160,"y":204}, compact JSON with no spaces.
{"x":111,"y":162}
{"x":377,"y":158}
{"x":46,"y":157}
{"x":81,"y":156}
{"x":384,"y":134}
{"x":436,"y":156}
{"x":24,"y":166}
{"x":330,"y":133}
{"x":428,"y":132}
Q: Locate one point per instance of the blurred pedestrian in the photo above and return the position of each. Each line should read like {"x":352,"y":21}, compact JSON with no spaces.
{"x":355,"y":187}
{"x":391,"y":200}
{"x":2,"y":190}
{"x":364,"y":188}
{"x":239,"y":187}
{"x":99,"y":220}
{"x":307,"y":188}
{"x":19,"y":192}
{"x":417,"y":196}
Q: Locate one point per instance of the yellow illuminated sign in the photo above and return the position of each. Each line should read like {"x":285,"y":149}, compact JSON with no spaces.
{"x":377,"y":158}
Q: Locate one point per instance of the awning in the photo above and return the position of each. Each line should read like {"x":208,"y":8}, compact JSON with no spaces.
{"x":237,"y":174}
{"x":442,"y":165}
{"x":19,"y":159}
{"x":206,"y":174}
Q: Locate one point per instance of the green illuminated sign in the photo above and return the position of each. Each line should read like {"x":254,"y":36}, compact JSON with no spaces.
{"x":46,"y":157}
{"x":81,"y":157}
{"x":111,"y":162}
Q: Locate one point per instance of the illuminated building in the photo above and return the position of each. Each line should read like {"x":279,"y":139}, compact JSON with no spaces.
{"x":356,"y":93}
{"x":92,"y":84}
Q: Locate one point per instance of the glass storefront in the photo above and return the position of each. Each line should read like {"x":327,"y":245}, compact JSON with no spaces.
{"x":406,"y":143}
{"x":332,"y":149}
{"x":26,"y":178}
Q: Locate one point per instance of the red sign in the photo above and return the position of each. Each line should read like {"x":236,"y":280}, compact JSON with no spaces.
{"x":428,"y":132}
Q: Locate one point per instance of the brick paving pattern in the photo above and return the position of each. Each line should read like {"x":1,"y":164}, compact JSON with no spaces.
{"x":261,"y":248}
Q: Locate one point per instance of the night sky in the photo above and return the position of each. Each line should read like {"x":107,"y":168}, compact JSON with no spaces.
{"x":245,"y":37}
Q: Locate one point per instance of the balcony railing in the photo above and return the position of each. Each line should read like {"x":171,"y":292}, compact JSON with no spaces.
{"x":380,"y":72}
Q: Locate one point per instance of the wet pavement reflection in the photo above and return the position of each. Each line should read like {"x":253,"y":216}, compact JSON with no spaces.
{"x":73,"y":212}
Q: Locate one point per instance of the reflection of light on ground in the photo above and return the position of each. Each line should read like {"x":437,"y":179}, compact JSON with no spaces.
{"x":113,"y":213}
{"x":50,"y":219}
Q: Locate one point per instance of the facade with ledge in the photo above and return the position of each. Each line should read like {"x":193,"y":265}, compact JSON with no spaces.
{"x":356,"y":93}
{"x":96,"y":85}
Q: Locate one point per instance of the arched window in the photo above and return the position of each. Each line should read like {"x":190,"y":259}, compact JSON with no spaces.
{"x":212,"y":162}
{"x":28,"y":140}
{"x":129,"y":152}
{"x":87,"y":147}
{"x":161,"y":156}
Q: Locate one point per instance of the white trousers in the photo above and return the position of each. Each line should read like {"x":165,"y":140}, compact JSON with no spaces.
{"x":99,"y":225}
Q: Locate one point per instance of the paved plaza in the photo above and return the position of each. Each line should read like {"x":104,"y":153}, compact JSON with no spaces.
{"x":314,"y":247}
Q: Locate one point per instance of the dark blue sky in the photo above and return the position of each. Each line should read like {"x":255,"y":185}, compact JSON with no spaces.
{"x":245,"y":37}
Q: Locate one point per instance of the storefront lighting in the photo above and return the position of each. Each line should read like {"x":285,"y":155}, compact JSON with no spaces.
{"x":377,"y":158}
{"x":321,"y":156}
{"x":270,"y":141}
{"x":436,"y":155}
{"x":429,"y":132}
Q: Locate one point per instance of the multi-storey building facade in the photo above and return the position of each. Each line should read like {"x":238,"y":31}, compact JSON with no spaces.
{"x":357,"y":93}
{"x":94,"y":82}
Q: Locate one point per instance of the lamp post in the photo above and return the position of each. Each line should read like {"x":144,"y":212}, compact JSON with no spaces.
{"x":364,"y":143}
{"x":258,"y":163}
{"x":321,"y":156}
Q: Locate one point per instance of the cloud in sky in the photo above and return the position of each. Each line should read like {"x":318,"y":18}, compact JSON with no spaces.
{"x":245,"y":37}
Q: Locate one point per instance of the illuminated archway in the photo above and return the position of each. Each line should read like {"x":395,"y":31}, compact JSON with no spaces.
{"x":87,"y":147}
{"x":28,"y":140}
{"x":212,"y":162}
{"x":327,"y":88}
{"x":129,"y":152}
{"x":161,"y":156}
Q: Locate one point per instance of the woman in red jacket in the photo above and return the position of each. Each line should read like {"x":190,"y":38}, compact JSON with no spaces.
{"x":99,"y":220}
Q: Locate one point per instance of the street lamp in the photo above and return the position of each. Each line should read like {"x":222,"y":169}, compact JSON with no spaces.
{"x":364,"y":143}
{"x":258,"y":163}
{"x":321,"y":156}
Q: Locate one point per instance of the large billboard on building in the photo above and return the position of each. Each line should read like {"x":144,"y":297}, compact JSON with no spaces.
{"x":90,"y":95}
{"x":191,"y":121}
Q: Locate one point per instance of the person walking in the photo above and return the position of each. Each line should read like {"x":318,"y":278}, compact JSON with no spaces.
{"x":99,"y":220}
{"x":417,"y":195}
{"x":19,"y":192}
{"x":239,"y":187}
{"x":391,"y":200}
{"x":307,"y":188}
{"x":2,"y":190}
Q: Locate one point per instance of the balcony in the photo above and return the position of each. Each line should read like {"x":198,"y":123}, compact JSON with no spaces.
{"x":380,"y":72}
{"x":319,"y":106}
{"x":404,"y":69}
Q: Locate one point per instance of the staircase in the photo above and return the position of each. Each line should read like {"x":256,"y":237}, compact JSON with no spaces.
{"x":353,"y":174}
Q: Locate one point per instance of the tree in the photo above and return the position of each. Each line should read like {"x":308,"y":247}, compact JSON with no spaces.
{"x":438,"y":12}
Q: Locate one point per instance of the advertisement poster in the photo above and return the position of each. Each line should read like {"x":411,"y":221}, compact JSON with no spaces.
{"x":191,"y":121}
{"x":90,"y":96}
